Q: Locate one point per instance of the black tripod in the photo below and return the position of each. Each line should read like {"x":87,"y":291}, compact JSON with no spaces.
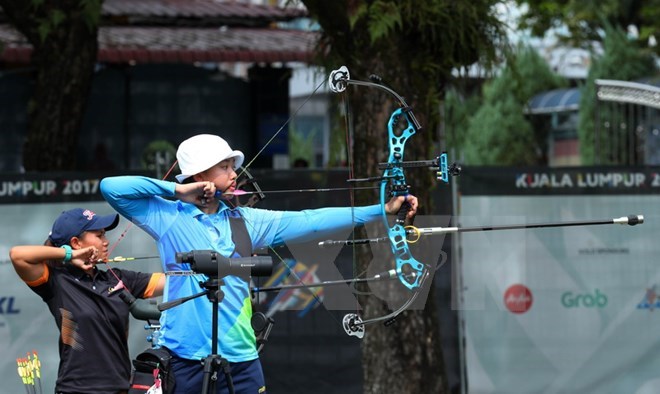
{"x":213,"y":362}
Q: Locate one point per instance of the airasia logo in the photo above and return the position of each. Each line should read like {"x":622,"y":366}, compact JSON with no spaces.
{"x":518,"y":298}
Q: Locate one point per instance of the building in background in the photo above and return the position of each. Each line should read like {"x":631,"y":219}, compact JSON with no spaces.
{"x":167,"y":70}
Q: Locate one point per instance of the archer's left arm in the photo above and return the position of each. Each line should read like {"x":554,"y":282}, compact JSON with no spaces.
{"x":271,"y":228}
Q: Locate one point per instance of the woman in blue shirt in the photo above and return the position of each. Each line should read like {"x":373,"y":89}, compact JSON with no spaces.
{"x":188,"y":216}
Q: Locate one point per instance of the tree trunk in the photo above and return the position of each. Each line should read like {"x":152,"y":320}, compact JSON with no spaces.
{"x":405,"y":357}
{"x":64,"y":41}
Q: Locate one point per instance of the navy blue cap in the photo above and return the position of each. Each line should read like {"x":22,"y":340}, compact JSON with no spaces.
{"x":76,"y":221}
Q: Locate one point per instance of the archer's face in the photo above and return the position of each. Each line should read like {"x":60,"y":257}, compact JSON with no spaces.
{"x":97,"y":239}
{"x":222,"y":175}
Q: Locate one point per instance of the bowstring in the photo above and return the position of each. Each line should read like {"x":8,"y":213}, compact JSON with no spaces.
{"x":246,"y":167}
{"x":349,"y":137}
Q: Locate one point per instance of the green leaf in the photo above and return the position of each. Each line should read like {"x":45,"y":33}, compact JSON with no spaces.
{"x":384,"y":19}
{"x":359,"y":14}
{"x":57,"y":17}
{"x":91,"y":12}
{"x":43,"y":28}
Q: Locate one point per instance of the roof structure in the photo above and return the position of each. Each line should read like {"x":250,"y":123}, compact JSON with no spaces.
{"x":186,"y":31}
{"x":182,"y":45}
{"x":558,"y":100}
{"x":195,"y":12}
{"x":645,"y":91}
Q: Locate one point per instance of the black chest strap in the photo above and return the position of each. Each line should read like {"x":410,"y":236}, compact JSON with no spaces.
{"x":240,"y":235}
{"x":261,"y":324}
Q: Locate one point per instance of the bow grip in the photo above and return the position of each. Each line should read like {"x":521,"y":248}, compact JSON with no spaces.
{"x":403,"y":212}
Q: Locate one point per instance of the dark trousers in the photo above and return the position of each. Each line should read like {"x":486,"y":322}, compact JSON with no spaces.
{"x":247,"y":377}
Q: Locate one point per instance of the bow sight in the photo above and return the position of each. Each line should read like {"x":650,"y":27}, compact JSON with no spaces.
{"x":439,"y":164}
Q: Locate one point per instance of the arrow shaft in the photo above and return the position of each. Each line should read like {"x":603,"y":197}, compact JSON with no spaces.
{"x":121,"y":259}
{"x":245,"y":193}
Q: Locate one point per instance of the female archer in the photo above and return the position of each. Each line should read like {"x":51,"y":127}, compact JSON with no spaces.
{"x":90,"y":315}
{"x":190,"y":215}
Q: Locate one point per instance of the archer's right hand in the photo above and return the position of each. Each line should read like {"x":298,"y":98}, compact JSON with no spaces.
{"x":197,"y":193}
{"x":85,"y":258}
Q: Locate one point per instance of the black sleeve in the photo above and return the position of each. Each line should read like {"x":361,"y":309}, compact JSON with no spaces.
{"x":46,"y":290}
{"x":135,"y":282}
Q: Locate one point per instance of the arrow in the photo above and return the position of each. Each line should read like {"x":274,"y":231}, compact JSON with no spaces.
{"x":121,"y":259}
{"x":245,"y":193}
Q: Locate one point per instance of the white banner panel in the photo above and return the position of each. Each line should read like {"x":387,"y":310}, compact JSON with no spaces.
{"x":561,"y":310}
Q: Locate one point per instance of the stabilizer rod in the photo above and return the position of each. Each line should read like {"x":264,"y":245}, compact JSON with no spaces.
{"x":630,"y":220}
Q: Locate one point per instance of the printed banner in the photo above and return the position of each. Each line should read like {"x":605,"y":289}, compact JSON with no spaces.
{"x":561,"y":310}
{"x":50,"y":188}
{"x":572,"y":180}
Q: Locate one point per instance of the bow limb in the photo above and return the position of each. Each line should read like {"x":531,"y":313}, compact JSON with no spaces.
{"x":354,"y":325}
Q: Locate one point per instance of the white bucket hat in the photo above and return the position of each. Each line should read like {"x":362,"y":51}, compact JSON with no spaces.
{"x":203,"y":151}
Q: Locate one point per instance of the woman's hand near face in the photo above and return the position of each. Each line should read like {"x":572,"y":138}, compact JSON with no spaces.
{"x":197,"y":193}
{"x":85,"y":258}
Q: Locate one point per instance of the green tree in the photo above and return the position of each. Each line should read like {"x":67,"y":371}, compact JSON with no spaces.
{"x":606,"y":22}
{"x":585,"y":20}
{"x":63,"y":35}
{"x":498,"y":133}
{"x":459,"y":107}
{"x":413,"y":45}
{"x":638,"y":63}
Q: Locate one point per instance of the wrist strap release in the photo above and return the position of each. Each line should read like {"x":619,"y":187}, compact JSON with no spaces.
{"x":68,"y":253}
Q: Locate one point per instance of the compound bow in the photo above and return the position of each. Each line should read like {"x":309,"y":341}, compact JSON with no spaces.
{"x":411,"y":272}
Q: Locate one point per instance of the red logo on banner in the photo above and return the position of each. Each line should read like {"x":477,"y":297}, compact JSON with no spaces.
{"x":518,"y":298}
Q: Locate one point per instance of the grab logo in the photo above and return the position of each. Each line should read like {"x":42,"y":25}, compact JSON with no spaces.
{"x":518,"y":298}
